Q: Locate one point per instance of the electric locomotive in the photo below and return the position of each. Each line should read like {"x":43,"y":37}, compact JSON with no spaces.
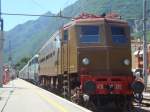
{"x":90,"y":56}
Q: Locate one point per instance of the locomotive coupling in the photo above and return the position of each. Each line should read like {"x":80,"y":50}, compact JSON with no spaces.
{"x":138,"y":85}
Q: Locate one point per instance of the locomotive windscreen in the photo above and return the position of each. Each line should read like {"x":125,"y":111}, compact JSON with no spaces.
{"x":118,"y":35}
{"x":89,"y":34}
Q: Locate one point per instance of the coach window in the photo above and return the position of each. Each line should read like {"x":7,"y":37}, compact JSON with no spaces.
{"x":89,"y":34}
{"x":35,"y":60}
{"x":118,"y":35}
{"x":65,"y":35}
{"x":58,"y":42}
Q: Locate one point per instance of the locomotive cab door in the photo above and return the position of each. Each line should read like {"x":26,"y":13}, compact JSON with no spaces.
{"x":65,"y":64}
{"x":65,"y":52}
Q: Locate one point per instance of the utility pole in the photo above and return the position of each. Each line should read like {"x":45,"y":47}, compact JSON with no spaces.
{"x":10,"y":54}
{"x":144,"y":44}
{"x":10,"y":60}
{"x":1,"y":48}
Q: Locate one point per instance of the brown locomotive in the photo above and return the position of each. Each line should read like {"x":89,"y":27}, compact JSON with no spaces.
{"x":91,"y":53}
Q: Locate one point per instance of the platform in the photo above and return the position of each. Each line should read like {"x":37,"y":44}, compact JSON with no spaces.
{"x":21,"y":96}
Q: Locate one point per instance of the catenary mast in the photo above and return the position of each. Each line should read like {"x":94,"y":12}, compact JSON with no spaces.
{"x":1,"y":47}
{"x":144,"y":43}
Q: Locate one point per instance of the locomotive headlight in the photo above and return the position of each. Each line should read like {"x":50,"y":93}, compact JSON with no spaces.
{"x":85,"y":61}
{"x":126,"y":62}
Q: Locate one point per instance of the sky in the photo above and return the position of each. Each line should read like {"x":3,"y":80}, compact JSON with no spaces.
{"x":30,"y":7}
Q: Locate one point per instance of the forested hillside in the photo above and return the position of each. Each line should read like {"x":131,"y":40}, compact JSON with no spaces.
{"x":26,"y":39}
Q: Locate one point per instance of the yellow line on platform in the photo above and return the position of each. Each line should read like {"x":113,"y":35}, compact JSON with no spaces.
{"x":52,"y":102}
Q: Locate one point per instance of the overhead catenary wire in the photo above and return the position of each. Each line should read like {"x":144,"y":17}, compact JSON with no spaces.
{"x":39,"y":15}
{"x":42,"y":15}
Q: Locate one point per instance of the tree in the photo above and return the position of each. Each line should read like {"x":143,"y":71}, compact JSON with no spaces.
{"x":22,"y":63}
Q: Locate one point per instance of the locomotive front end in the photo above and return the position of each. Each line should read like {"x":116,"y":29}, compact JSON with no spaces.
{"x":104,"y":60}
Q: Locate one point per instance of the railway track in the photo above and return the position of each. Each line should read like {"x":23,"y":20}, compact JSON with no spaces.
{"x":143,"y":107}
{"x":136,"y":109}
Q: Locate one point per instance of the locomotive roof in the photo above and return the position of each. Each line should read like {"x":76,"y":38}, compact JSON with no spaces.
{"x":100,"y":20}
{"x":85,"y":18}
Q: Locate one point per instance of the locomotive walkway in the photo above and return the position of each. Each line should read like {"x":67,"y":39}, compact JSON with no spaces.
{"x":21,"y":96}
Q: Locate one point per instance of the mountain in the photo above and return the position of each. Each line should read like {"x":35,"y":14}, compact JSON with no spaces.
{"x":26,"y":39}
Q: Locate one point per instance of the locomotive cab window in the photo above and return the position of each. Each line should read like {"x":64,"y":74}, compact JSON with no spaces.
{"x":89,"y":34}
{"x":65,"y":35}
{"x":118,"y":35}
